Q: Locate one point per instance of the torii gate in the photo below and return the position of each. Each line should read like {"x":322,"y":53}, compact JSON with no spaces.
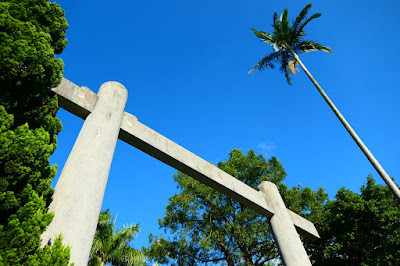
{"x":79,"y":192}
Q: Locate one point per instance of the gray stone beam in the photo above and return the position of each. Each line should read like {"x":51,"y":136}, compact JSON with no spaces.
{"x":79,"y":101}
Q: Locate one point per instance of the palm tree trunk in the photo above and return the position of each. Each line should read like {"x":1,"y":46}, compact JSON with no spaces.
{"x":353,"y":134}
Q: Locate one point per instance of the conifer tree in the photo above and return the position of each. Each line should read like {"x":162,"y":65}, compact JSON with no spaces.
{"x":31,"y":32}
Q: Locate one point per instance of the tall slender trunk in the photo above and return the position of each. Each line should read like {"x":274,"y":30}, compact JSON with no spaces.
{"x":353,"y":134}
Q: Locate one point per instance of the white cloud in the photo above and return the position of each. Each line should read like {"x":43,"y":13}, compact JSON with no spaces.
{"x":266,"y":146}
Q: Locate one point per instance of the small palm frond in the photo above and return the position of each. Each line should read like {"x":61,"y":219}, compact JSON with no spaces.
{"x":266,"y":62}
{"x":105,"y":217}
{"x":284,"y":59}
{"x":303,"y":14}
{"x":276,"y":24}
{"x":300,"y":30}
{"x":128,"y":232}
{"x":275,"y":18}
{"x":308,"y":46}
{"x":113,"y":246}
{"x":128,"y":256}
{"x":284,"y":22}
{"x":96,"y":246}
{"x":265,"y":37}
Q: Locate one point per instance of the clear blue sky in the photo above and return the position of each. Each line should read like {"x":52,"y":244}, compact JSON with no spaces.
{"x":185,"y":66}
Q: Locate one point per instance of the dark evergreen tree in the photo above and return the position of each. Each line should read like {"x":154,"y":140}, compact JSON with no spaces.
{"x":31,"y":32}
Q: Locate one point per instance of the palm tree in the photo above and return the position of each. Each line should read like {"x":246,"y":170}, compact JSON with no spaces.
{"x":112,"y":246}
{"x":287,"y":42}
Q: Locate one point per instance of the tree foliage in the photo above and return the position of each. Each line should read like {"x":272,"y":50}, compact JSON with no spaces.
{"x":208,"y":227}
{"x":205,"y":227}
{"x":112,"y":246}
{"x":359,"y":229}
{"x":287,"y":39}
{"x":31,"y":32}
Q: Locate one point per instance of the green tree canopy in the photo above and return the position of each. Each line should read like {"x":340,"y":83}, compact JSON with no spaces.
{"x":208,"y":227}
{"x":358,"y":229}
{"x":31,"y":32}
{"x":112,"y":245}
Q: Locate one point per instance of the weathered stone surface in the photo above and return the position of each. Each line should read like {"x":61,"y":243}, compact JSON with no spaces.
{"x":144,"y":138}
{"x":79,"y":192}
{"x":149,"y":141}
{"x":77,"y":100}
{"x":288,"y":241}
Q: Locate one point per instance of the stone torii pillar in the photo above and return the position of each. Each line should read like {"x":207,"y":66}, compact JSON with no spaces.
{"x":79,"y":192}
{"x":289,"y":244}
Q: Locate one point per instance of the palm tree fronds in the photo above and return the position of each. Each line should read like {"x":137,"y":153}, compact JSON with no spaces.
{"x":128,"y":257}
{"x":308,"y":46}
{"x":284,"y":22}
{"x":105,"y":217}
{"x":284,"y":59}
{"x":275,"y":18}
{"x":113,"y":246}
{"x":287,"y":41}
{"x":303,"y":14}
{"x":266,"y":62}
{"x":284,"y":15}
{"x":301,"y":27}
{"x":265,"y":37}
{"x":126,"y":234}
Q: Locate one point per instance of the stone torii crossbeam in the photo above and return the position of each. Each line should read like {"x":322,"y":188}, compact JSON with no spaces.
{"x":79,"y":192}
